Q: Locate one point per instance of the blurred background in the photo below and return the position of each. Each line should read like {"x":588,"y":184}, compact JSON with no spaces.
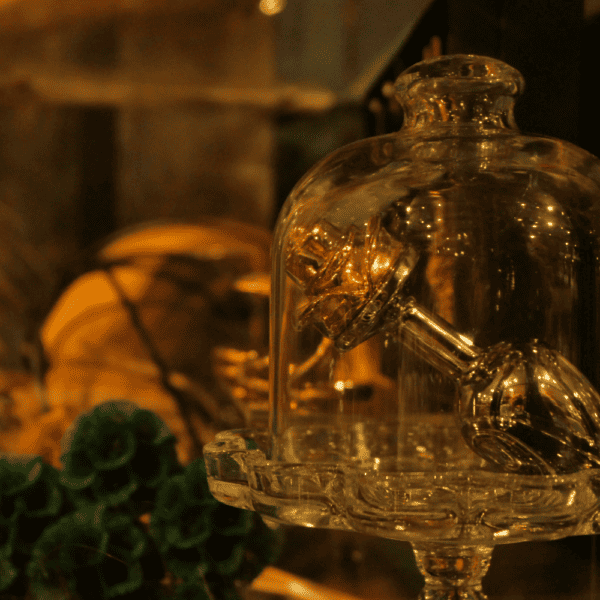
{"x":146,"y":147}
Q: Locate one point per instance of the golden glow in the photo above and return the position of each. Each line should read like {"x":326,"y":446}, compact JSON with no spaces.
{"x":258,"y":284}
{"x":276,"y":581}
{"x":271,"y":7}
{"x":298,"y":589}
{"x":465,"y":339}
{"x":212,"y":241}
{"x":340,"y":386}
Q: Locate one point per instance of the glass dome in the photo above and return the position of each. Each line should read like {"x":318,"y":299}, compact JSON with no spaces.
{"x":404,"y":264}
{"x":434,"y":333}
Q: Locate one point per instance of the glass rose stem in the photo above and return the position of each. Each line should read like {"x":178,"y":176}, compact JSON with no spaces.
{"x":452,"y":572}
{"x":434,"y":339}
{"x":522,"y":407}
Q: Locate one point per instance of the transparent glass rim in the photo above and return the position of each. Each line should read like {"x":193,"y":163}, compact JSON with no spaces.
{"x":464,"y":72}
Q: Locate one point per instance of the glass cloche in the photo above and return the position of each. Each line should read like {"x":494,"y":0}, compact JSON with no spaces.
{"x":435,"y":336}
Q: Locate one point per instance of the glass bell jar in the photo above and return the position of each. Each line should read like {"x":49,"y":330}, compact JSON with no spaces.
{"x":435,"y":336}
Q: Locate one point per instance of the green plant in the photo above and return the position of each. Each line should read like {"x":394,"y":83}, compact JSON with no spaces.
{"x":30,"y":499}
{"x":81,"y":533}
{"x":118,"y":455}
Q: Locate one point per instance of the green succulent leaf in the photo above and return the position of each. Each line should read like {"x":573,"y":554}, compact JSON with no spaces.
{"x":132,"y":580}
{"x":120,"y":455}
{"x":79,"y":472}
{"x":18,"y":473}
{"x":8,"y":534}
{"x":112,"y":446}
{"x":192,"y":590}
{"x":150,"y":429}
{"x":184,"y":564}
{"x":126,"y":540}
{"x":169,"y":505}
{"x":8,"y":573}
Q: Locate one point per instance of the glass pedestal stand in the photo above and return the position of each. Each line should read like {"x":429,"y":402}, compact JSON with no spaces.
{"x":452,"y":572}
{"x":453,"y":519}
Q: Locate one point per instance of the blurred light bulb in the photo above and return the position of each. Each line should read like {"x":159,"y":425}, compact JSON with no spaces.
{"x":271,"y":7}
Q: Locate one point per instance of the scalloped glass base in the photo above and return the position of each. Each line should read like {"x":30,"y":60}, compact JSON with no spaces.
{"x":474,"y":507}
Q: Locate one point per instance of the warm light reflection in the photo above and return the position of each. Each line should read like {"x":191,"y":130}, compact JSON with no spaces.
{"x":258,"y":284}
{"x":465,"y":339}
{"x":340,"y":386}
{"x":271,"y":7}
{"x":276,"y":581}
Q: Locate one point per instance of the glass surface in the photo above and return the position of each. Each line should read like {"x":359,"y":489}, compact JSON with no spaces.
{"x":434,"y":336}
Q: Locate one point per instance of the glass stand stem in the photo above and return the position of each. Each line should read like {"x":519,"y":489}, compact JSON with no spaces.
{"x":452,"y":572}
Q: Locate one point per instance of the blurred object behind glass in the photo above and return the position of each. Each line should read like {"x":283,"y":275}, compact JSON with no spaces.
{"x":113,"y":116}
{"x":145,"y":323}
{"x":118,"y":114}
